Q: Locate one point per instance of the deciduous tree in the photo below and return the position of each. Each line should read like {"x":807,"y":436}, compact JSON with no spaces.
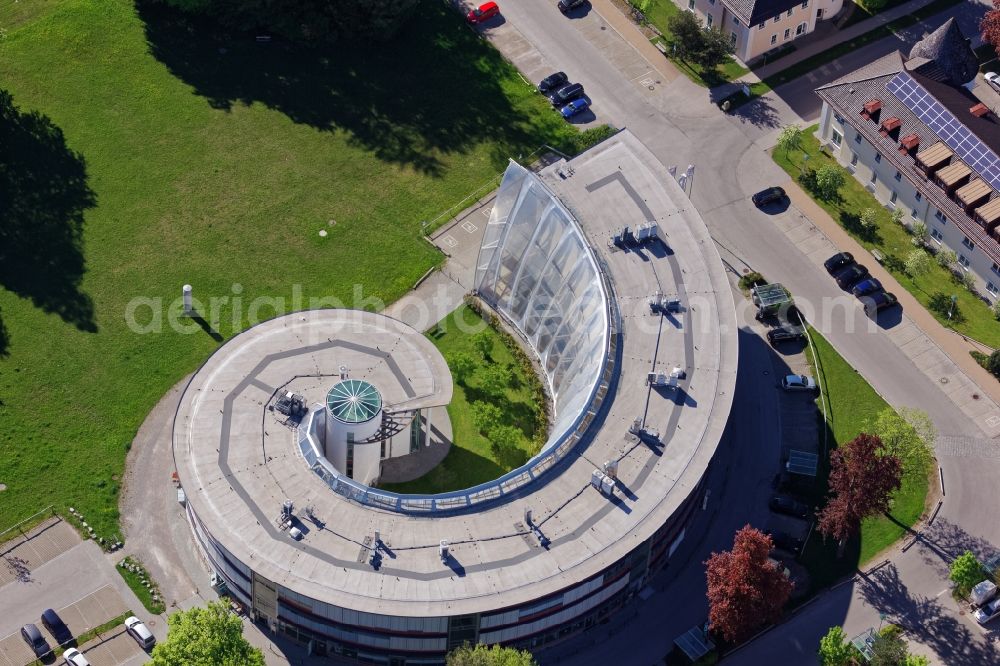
{"x":746,"y":589}
{"x":834,"y":648}
{"x":790,"y":138}
{"x":908,"y":434}
{"x":715,"y":49}
{"x":205,"y":636}
{"x":917,"y":263}
{"x":989,"y":26}
{"x":862,"y":481}
{"x":483,"y":342}
{"x":508,"y":445}
{"x":829,"y":180}
{"x":888,"y":648}
{"x":966,"y":571}
{"x":481,"y":655}
{"x":485,"y":416}
{"x":688,"y":34}
{"x":462,"y":365}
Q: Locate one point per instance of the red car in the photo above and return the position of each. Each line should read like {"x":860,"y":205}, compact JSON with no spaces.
{"x":484,"y":13}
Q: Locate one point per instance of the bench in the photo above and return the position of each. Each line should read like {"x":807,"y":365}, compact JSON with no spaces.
{"x":878,"y":256}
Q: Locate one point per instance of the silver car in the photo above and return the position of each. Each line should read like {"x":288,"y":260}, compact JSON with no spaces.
{"x":798,"y":383}
{"x":140,"y":632}
{"x":993,"y":79}
{"x":988,"y":612}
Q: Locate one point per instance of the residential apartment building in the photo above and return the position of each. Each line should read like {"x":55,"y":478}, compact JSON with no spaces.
{"x":758,"y":26}
{"x":912,"y":131}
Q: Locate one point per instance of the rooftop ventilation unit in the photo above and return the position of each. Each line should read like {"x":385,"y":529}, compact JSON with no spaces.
{"x":286,"y":508}
{"x":979,"y":110}
{"x":611,"y":468}
{"x":604,"y":483}
{"x":443,"y":550}
{"x":295,"y":533}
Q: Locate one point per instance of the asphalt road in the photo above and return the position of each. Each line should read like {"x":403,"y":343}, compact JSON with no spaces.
{"x":680,"y":125}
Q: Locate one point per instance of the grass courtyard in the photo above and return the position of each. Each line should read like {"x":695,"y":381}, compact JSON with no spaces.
{"x":470,"y":461}
{"x":851,"y":403}
{"x":169,"y":152}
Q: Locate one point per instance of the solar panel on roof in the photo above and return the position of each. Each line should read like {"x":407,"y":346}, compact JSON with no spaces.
{"x":958,"y":137}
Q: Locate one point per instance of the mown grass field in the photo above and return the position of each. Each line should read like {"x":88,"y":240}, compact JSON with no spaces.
{"x":203,"y":157}
{"x":851,"y":403}
{"x":934,"y":289}
{"x":470,"y":460}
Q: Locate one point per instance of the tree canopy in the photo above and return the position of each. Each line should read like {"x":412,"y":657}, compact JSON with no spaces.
{"x":692,"y":43}
{"x":989,"y":26}
{"x":908,"y":434}
{"x":481,"y":655}
{"x":308,"y":20}
{"x":746,"y":589}
{"x":863,"y":479}
{"x":206,"y":636}
{"x":835,"y":649}
{"x":966,"y":572}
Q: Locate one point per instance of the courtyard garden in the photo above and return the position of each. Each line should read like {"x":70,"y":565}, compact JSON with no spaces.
{"x":497,"y":411}
{"x":144,"y":150}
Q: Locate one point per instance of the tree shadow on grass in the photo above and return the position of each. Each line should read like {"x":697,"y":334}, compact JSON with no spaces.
{"x":927,"y":620}
{"x":43,"y":196}
{"x":433,"y":90}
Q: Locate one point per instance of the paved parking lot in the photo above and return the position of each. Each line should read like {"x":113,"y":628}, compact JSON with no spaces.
{"x":114,"y":648}
{"x":91,"y":611}
{"x":28,"y":552}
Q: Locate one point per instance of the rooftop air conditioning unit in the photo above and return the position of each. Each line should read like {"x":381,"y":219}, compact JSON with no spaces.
{"x":295,"y":533}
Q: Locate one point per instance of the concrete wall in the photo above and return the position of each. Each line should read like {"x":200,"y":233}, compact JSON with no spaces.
{"x":879,"y":177}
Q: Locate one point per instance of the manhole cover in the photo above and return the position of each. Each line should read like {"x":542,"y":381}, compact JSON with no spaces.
{"x":604,"y":27}
{"x":975,"y":396}
{"x":943,"y":380}
{"x":746,"y":270}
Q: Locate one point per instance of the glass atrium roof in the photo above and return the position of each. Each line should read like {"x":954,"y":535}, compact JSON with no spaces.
{"x":354,"y":401}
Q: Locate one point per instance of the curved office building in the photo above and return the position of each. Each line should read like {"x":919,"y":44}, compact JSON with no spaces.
{"x":281,"y":507}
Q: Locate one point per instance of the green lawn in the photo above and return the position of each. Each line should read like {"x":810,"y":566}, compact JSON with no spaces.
{"x":470,"y":460}
{"x":195,"y":156}
{"x":658,"y":13}
{"x":934,"y":289}
{"x":851,"y":403}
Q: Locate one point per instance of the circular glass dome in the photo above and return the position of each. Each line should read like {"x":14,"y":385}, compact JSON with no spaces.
{"x":354,"y":401}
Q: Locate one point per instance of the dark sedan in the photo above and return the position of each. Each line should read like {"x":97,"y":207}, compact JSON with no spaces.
{"x":865,"y":287}
{"x":880,"y":300}
{"x":789,"y":506}
{"x":838,"y":261}
{"x":850,"y":276}
{"x":552,"y":82}
{"x":56,"y":626}
{"x":767,"y":196}
{"x":785,"y":541}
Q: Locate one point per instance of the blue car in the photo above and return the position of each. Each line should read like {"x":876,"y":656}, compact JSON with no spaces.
{"x":574,"y":107}
{"x":865,"y":287}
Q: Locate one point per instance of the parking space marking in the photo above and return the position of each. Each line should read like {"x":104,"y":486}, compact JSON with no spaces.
{"x":993,"y":421}
{"x":649,"y":74}
{"x":486,"y":210}
{"x":449,"y":240}
{"x":469,"y":227}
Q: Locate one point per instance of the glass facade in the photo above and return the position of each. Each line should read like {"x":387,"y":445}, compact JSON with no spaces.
{"x":536,"y":268}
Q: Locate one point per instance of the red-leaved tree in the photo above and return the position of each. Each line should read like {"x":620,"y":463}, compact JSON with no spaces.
{"x":989,"y":26}
{"x":862,"y":481}
{"x":745,"y":589}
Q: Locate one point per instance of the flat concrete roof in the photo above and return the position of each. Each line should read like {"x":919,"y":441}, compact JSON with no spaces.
{"x":238,"y":468}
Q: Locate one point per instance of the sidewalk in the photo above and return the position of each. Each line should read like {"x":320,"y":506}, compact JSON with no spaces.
{"x":950,"y":343}
{"x":631,"y":34}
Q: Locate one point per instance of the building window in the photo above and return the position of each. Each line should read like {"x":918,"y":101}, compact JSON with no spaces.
{"x":837,"y":137}
{"x":878,"y":158}
{"x":799,"y":29}
{"x":874,"y":178}
{"x":760,"y":26}
{"x":789,"y":13}
{"x":940,"y":217}
{"x":995,"y":268}
{"x":819,"y":13}
{"x":788,"y":33}
{"x":691,"y":5}
{"x":774,"y":39}
{"x":918,"y":196}
{"x":805,"y":4}
{"x":708,"y":20}
{"x":777,"y":19}
{"x":992,"y":288}
{"x":898,"y":176}
{"x":968,"y":243}
{"x":736,"y":21}
{"x":964,"y":261}
{"x":854,"y":159}
{"x":857,"y":137}
{"x":936,"y":235}
{"x":732,"y":39}
{"x":893,"y":198}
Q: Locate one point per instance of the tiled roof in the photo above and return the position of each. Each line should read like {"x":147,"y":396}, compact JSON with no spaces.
{"x":948,"y":48}
{"x":847,"y":97}
{"x":752,"y":12}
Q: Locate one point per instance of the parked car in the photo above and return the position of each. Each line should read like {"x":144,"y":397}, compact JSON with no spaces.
{"x":567,"y":5}
{"x":785,"y":334}
{"x":563,"y":96}
{"x":33,"y":637}
{"x":767,"y":196}
{"x":785,"y":541}
{"x":880,"y":300}
{"x":483,"y":12}
{"x":838,"y":261}
{"x":798,"y":383}
{"x":850,"y":276}
{"x":74,"y":657}
{"x":574,"y":107}
{"x":552,"y":82}
{"x":867,"y":286}
{"x":789,"y":506}
{"x":140,"y":632}
{"x":993,"y":79}
{"x":56,"y":626}
{"x":988,"y":612}
{"x":982,"y":592}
